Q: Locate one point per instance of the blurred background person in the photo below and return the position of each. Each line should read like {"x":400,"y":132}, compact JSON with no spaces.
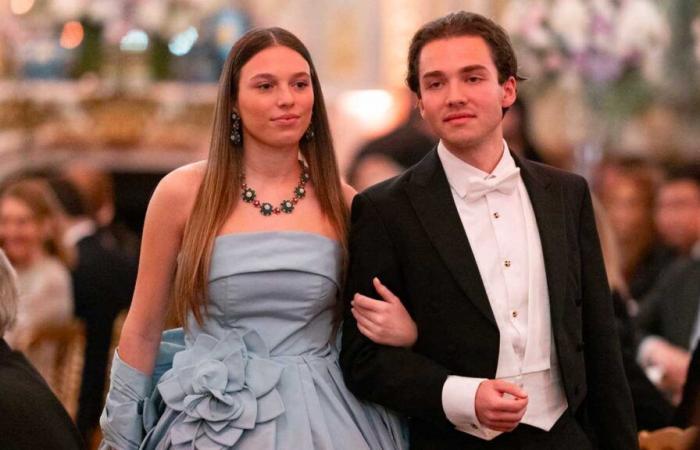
{"x":103,"y":279}
{"x":668,"y":319}
{"x":626,"y":189}
{"x":670,"y":316}
{"x":688,"y":411}
{"x":96,"y":188}
{"x":678,"y":208}
{"x":31,"y":238}
{"x":516,"y":131}
{"x":389,"y":155}
{"x":652,"y":410}
{"x":32,"y":416}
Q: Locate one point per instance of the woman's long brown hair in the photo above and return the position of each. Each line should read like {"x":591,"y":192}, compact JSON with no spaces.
{"x":218,"y":193}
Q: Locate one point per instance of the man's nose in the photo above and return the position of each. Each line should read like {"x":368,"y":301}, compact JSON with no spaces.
{"x":455,"y":94}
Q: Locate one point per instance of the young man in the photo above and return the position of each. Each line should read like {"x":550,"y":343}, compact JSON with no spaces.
{"x":498,"y":261}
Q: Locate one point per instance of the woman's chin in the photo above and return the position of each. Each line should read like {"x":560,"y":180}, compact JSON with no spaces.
{"x":284,"y":142}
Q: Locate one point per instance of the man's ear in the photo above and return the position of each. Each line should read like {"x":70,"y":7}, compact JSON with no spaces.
{"x":419,"y":105}
{"x":510,"y":92}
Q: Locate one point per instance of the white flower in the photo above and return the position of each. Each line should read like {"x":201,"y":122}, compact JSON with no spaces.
{"x":640,"y":28}
{"x":527,"y":20}
{"x":570,"y":19}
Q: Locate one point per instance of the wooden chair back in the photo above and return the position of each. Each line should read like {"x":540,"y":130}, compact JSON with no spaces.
{"x":669,"y":438}
{"x":58,"y":352}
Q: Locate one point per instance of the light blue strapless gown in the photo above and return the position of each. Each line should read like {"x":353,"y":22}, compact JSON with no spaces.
{"x":261,"y":373}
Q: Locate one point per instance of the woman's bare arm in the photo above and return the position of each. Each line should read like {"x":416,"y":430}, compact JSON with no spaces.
{"x":167,"y":213}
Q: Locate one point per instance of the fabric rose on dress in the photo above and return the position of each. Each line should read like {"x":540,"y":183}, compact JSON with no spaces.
{"x":221,"y":388}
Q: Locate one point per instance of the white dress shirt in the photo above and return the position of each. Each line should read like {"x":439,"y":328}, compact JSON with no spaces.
{"x":502,"y":231}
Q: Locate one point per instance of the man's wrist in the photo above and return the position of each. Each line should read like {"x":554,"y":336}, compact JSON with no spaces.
{"x":458,"y":401}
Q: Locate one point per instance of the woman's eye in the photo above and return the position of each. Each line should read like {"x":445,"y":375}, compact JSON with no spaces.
{"x":301,"y":84}
{"x":265,"y":86}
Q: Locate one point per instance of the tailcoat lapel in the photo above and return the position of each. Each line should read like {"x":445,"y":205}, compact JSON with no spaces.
{"x":431,"y":197}
{"x":548,"y":204}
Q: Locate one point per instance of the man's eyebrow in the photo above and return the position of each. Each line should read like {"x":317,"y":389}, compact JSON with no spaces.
{"x":465,"y":69}
{"x":434,"y":73}
{"x":472,"y":68}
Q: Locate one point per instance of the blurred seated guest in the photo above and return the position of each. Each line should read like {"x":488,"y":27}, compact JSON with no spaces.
{"x":96,"y":187}
{"x":652,"y":410}
{"x":516,"y":131}
{"x":32,"y":416}
{"x":669,"y":320}
{"x":688,"y":411}
{"x":31,"y":238}
{"x":103,"y":283}
{"x":678,"y":209}
{"x":626,"y":189}
{"x":391,"y":154}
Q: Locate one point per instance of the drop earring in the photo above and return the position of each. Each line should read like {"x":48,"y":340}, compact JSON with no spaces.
{"x":309,"y":134}
{"x":236,"y":129}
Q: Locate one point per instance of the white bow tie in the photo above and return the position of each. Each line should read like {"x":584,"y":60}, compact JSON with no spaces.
{"x":478,"y":187}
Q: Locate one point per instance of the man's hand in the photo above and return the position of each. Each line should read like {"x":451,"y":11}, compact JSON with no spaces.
{"x":500,"y":405}
{"x":673,"y":362}
{"x":384,"y":322}
{"x":675,"y":368}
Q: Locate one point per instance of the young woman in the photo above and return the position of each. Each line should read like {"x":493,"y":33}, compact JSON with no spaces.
{"x":31,"y":239}
{"x":250,"y":245}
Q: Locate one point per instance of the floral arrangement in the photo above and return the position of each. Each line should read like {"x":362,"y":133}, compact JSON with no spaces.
{"x":615,"y":48}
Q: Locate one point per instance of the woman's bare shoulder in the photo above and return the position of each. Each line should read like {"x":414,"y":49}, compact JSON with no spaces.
{"x":177,"y":191}
{"x":183,"y":182}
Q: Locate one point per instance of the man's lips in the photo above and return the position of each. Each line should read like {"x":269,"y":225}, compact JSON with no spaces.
{"x":458,"y":117}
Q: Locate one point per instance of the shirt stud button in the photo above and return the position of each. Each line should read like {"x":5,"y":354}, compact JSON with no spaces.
{"x":507,"y":263}
{"x":515,"y":314}
{"x":496,"y":215}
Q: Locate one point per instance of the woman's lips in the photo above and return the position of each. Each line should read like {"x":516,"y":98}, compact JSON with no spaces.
{"x":286,"y":119}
